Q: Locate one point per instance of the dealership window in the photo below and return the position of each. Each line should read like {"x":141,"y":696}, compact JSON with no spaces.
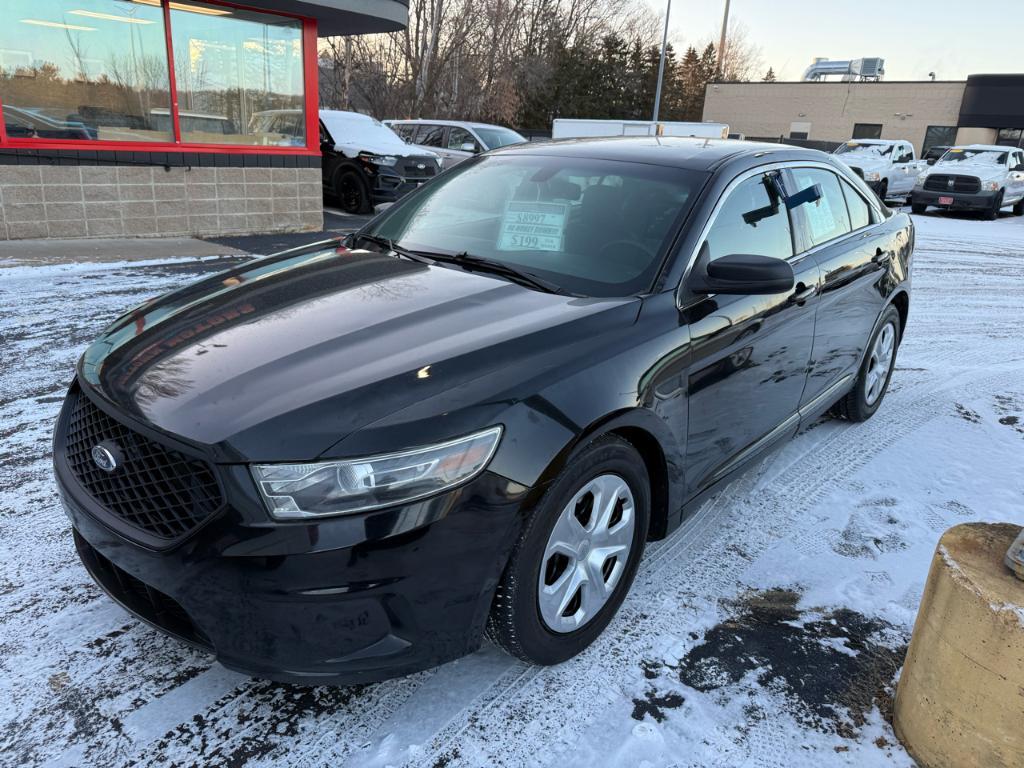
{"x":97,"y":71}
{"x":867,"y":131}
{"x":239,"y":76}
{"x":94,"y":70}
{"x":1009,"y":137}
{"x":938,"y":136}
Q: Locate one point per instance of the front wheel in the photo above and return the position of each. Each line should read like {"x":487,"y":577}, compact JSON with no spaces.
{"x":883,"y":190}
{"x":1018,"y":208}
{"x":872,"y":383}
{"x":352,"y":191}
{"x":918,"y":208}
{"x":993,"y":213}
{"x":577,"y":556}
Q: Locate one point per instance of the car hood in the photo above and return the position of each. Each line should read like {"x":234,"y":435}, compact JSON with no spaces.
{"x":401,"y":149}
{"x":281,"y":358}
{"x":867,"y":164}
{"x":984,"y":171}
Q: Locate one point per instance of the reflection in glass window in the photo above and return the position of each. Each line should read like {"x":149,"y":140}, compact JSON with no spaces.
{"x":239,"y":76}
{"x":826,"y":218}
{"x":88,"y":70}
{"x":753,"y":220}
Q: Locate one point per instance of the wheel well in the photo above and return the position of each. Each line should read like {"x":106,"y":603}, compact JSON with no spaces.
{"x":654,"y":459}
{"x":902,"y":303}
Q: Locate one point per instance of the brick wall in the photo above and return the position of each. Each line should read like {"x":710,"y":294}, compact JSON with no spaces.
{"x":49,"y":201}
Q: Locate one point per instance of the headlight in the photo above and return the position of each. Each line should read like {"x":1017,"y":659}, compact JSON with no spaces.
{"x":388,"y":160}
{"x":990,"y":186}
{"x":299,"y":491}
{"x":439,"y":161}
{"x":871,"y":176}
{"x":920,"y":179}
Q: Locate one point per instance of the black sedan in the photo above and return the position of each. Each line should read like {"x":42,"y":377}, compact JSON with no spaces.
{"x":353,"y":460}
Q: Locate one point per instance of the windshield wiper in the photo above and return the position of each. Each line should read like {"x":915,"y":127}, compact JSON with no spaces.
{"x":521,"y":276}
{"x":391,"y":245}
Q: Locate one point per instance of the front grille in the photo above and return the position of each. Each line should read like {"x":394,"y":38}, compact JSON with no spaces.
{"x":939,"y":182}
{"x":138,"y":597}
{"x":410,"y":167}
{"x":155,"y":489}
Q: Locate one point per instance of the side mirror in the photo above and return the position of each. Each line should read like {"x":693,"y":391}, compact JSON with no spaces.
{"x":468,"y":146}
{"x":745,"y":274}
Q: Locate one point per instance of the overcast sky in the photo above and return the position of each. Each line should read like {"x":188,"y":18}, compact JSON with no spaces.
{"x":914,"y":37}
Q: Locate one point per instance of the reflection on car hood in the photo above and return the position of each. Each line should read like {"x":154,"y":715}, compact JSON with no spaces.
{"x":866,"y":163}
{"x":283,"y":357}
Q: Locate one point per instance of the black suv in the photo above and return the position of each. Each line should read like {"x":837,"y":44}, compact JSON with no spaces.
{"x":350,"y":461}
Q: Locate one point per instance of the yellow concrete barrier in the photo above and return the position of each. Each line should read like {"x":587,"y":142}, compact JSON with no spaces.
{"x":960,"y":700}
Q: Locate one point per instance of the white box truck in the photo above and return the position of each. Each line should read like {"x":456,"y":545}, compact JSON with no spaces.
{"x":578,"y":129}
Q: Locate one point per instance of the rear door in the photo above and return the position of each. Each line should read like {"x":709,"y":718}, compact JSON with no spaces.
{"x":434,"y":138}
{"x":841,"y":232}
{"x":749,"y":353}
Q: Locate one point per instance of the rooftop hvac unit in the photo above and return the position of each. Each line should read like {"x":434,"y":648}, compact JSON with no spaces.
{"x":851,"y":69}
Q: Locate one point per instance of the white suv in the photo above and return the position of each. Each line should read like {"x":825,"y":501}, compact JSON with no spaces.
{"x":455,"y":141}
{"x":978,"y":177}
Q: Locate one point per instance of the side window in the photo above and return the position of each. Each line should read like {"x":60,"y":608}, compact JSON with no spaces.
{"x":826,"y":218}
{"x":753,"y":220}
{"x":860,"y":211}
{"x":405,"y":131}
{"x":459,"y":136}
{"x":430,"y":135}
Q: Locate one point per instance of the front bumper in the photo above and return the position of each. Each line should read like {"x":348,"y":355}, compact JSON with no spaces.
{"x":962,"y":201}
{"x":389,"y":187}
{"x":350,"y":599}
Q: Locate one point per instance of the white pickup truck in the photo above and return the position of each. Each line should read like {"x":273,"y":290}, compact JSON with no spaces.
{"x":888,"y":166}
{"x":978,"y":177}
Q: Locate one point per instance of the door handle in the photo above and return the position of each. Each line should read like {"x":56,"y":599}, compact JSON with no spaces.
{"x":881,"y":257}
{"x":802,"y":294}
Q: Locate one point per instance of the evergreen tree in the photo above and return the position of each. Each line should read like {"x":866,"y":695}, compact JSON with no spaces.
{"x":769,"y":76}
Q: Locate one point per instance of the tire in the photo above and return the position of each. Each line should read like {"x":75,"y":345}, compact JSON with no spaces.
{"x":918,"y":208}
{"x":1018,"y":207}
{"x":993,"y":213}
{"x":351,"y":190}
{"x":883,"y":190}
{"x":520,"y":613}
{"x":861,"y":402}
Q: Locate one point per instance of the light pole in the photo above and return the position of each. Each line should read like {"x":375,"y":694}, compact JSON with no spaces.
{"x":721,"y":41}
{"x":661,"y":63}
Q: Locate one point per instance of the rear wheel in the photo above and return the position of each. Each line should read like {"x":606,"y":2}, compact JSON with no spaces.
{"x":577,"y":556}
{"x":993,"y":213}
{"x":876,"y":370}
{"x":352,"y":191}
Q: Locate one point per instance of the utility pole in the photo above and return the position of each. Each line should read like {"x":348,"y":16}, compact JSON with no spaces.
{"x":661,"y":63}
{"x":721,"y":42}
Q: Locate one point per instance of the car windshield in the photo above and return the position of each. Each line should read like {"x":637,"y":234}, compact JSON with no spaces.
{"x":590,"y":227}
{"x":495,"y":136}
{"x":974,"y":156}
{"x":864,"y":150}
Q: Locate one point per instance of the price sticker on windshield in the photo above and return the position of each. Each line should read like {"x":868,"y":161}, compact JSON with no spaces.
{"x":532,"y":227}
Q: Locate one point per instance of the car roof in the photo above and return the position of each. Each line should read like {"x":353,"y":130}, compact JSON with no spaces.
{"x":877,"y":141}
{"x":456,"y":123}
{"x":673,"y":151}
{"x":992,"y":147}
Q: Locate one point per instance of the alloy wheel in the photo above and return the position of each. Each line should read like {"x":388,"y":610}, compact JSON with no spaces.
{"x":882,"y":355}
{"x":586,"y":553}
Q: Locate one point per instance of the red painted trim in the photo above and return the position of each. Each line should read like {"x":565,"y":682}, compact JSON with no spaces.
{"x":312,"y":105}
{"x":310,"y":56}
{"x":175,"y":120}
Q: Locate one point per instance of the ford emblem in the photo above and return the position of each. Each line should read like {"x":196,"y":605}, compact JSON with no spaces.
{"x":106,"y":456}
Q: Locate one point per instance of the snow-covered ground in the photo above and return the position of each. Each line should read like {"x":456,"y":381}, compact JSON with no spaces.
{"x":767,"y":631}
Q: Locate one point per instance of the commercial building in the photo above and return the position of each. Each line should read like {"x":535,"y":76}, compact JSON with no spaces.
{"x":166,"y":117}
{"x":986,"y":109}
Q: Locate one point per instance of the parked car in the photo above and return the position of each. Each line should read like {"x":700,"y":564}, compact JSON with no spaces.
{"x":346,"y":462}
{"x":934,"y":153}
{"x":365,"y":163}
{"x":889,"y":167}
{"x":978,"y":177}
{"x":453,"y":140}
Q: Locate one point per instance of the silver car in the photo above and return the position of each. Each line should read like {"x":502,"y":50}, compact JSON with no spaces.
{"x":454,"y":140}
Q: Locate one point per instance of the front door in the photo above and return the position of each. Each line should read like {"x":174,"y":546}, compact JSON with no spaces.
{"x":749,"y":353}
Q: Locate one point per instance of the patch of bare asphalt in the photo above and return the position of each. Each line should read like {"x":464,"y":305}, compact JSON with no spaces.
{"x":832,"y":667}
